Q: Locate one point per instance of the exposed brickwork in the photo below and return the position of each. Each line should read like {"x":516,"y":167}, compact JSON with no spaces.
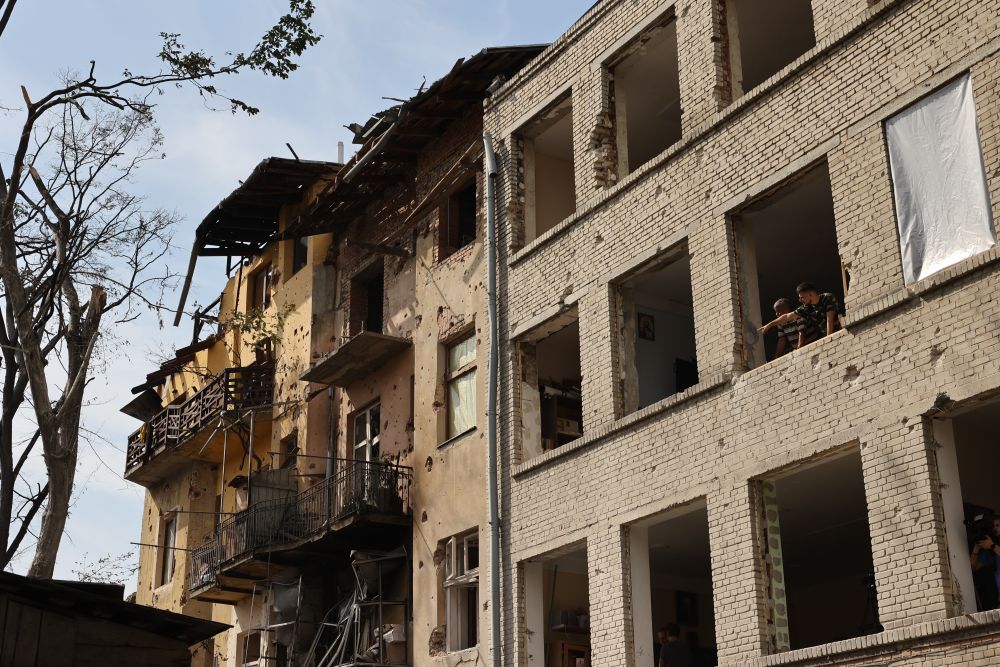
{"x":869,"y":61}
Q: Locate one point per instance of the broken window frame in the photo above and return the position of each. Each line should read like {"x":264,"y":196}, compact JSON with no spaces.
{"x":168,"y":542}
{"x":370,"y":417}
{"x":461,"y":584}
{"x":289,"y":449}
{"x":459,"y":374}
{"x":261,"y":283}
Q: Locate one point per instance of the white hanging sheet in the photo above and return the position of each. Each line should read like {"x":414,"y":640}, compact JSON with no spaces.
{"x":939,"y":182}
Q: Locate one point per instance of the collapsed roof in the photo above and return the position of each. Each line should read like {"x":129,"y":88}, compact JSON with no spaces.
{"x":392,"y":139}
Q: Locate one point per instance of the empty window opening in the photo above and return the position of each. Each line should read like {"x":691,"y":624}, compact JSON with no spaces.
{"x":968,"y":458}
{"x":460,"y":378}
{"x":260,"y":288}
{"x":549,"y":184}
{"x":551,"y":406}
{"x":785,"y":239}
{"x":461,"y":590}
{"x":763,"y":37}
{"x":942,"y":202}
{"x":458,"y":219}
{"x":367,"y":300}
{"x":671,"y":573}
{"x":557,"y":609}
{"x":817,"y":559}
{"x":656,"y":320}
{"x":168,"y":553}
{"x":647,"y":97}
{"x":300,"y":253}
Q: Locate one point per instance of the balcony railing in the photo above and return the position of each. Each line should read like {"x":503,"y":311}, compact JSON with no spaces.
{"x":233,"y":389}
{"x":356,"y":488}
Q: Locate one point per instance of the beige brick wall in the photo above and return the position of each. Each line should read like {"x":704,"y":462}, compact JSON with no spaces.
{"x":829,"y":104}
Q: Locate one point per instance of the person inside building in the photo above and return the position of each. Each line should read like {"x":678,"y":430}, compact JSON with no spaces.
{"x":985,"y":558}
{"x":788,"y":334}
{"x":818,"y":313}
{"x":661,"y":639}
{"x":675,"y":652}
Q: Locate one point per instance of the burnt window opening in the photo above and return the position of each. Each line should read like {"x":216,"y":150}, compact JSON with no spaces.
{"x":458,"y":219}
{"x":367,"y":300}
{"x":816,"y":556}
{"x":551,"y":382}
{"x":549,"y":181}
{"x":763,"y":37}
{"x":261,"y":283}
{"x":557,"y":607}
{"x":300,"y":253}
{"x":647,"y":96}
{"x":657,"y":335}
{"x":967,"y":457}
{"x":783,"y":239}
{"x":671,"y":575}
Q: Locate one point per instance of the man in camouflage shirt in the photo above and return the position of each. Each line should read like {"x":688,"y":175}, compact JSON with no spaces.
{"x":818,"y":313}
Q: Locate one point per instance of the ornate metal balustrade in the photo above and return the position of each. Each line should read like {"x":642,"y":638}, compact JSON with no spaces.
{"x":233,"y":389}
{"x":357,"y":487}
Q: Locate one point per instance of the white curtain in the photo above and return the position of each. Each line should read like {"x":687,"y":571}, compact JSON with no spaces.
{"x":939,"y":182}
{"x":461,"y":404}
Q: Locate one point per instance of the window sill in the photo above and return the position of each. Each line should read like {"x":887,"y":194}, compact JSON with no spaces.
{"x":450,"y":442}
{"x":459,"y":255}
{"x":888,"y":643}
{"x":903,"y":295}
{"x":599,"y":434}
{"x":453,"y":658}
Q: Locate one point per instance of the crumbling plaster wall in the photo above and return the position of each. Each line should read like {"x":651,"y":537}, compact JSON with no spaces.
{"x":869,"y":384}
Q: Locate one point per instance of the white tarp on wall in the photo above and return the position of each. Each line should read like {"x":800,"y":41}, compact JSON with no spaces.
{"x":939,"y":182}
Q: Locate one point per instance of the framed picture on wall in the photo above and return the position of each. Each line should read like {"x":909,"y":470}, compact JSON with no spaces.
{"x":646,"y":326}
{"x":687,"y":608}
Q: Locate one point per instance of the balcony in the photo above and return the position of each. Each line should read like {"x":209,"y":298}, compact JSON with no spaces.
{"x":357,"y":507}
{"x":180,"y":433}
{"x":356,"y":358}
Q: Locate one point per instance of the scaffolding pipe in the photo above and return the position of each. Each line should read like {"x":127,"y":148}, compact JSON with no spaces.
{"x":491,"y":400}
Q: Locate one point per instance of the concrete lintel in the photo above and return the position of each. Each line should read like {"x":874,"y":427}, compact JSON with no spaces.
{"x":778,"y":177}
{"x":633,"y":265}
{"x":656,"y":16}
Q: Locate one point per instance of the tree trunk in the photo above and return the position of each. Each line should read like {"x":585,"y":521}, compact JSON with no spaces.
{"x":61,"y":473}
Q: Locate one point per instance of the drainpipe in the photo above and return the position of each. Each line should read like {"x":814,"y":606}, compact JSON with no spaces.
{"x":491,"y":398}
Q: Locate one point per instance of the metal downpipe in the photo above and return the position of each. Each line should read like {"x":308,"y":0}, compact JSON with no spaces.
{"x":491,"y":397}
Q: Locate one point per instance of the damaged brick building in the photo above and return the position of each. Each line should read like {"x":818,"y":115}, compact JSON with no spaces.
{"x":668,"y":171}
{"x":314,"y":459}
{"x":663,"y":173}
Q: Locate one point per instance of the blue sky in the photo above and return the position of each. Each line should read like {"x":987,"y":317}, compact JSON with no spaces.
{"x":369,"y":49}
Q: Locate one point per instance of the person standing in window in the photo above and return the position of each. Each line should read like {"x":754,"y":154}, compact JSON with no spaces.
{"x":818,"y":313}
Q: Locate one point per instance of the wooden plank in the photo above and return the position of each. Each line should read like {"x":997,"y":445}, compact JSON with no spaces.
{"x":58,"y":645}
{"x":29,"y":627}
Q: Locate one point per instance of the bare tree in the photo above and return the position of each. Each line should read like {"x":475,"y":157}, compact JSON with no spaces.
{"x":80,"y":253}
